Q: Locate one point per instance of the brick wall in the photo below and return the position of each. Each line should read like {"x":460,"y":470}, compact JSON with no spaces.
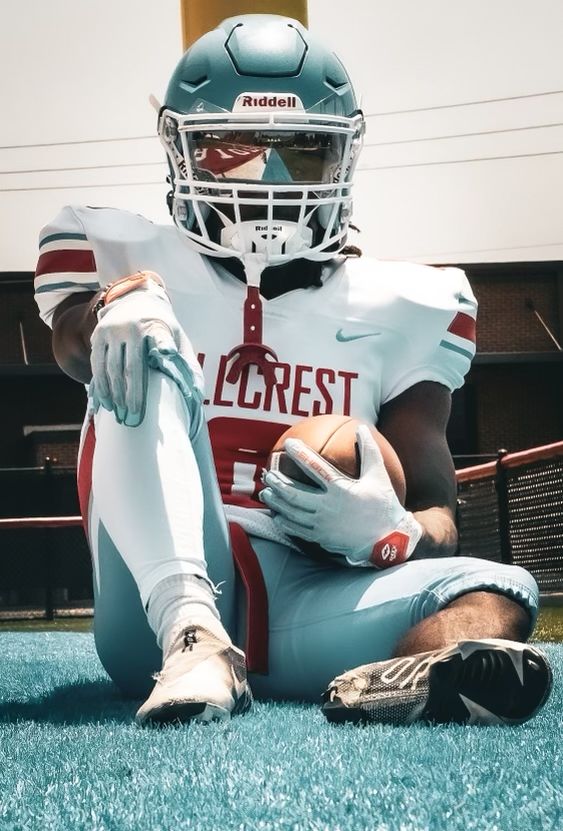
{"x":61,"y":447}
{"x":505,"y":324}
{"x":517,"y":406}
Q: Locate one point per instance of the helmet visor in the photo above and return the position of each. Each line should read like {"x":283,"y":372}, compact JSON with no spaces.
{"x":267,"y":157}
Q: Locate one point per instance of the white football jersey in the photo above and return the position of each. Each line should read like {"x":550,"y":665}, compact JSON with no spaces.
{"x":370,"y":332}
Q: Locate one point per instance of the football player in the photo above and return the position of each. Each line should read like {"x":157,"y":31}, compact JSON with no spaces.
{"x":197,"y":575}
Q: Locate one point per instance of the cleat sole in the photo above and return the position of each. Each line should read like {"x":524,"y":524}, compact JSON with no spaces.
{"x":481,"y":682}
{"x":186,"y":712}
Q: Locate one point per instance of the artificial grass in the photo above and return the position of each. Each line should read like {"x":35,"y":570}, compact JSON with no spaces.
{"x":71,"y":758}
{"x":550,"y":625}
{"x":59,"y":624}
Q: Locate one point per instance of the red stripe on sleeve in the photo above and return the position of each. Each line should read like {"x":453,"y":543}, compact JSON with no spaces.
{"x":463,"y":326}
{"x":53,"y":262}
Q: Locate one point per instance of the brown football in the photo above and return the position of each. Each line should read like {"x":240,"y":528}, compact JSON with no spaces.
{"x":334,"y":438}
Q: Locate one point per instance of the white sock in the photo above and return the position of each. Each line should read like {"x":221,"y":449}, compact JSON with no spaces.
{"x":177,"y":601}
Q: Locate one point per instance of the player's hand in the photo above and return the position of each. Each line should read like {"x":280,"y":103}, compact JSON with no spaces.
{"x":361,"y":519}
{"x":134,"y":332}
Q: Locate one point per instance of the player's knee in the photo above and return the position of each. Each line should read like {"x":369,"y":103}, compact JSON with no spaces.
{"x":508,"y":617}
{"x":164,"y":402}
{"x":169,"y":395}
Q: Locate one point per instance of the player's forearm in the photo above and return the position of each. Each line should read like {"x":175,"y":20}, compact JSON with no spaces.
{"x":439,"y":534}
{"x":72,"y":330}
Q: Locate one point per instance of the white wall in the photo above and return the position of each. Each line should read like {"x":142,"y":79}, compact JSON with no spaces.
{"x":78,"y":71}
{"x":424,"y":54}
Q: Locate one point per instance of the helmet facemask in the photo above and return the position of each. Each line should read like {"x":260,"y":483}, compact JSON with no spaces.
{"x":268,"y":183}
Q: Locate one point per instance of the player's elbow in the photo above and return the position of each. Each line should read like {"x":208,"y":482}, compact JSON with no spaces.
{"x":71,"y":359}
{"x":71,"y":340}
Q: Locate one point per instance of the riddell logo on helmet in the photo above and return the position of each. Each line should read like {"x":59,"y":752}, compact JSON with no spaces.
{"x":267,"y":101}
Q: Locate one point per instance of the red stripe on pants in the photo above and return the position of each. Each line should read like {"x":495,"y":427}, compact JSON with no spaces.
{"x":244,"y":556}
{"x":250,"y":573}
{"x":84,"y":475}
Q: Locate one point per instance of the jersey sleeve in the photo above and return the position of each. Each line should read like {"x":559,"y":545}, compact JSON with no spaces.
{"x":449,"y":356}
{"x":66,"y":263}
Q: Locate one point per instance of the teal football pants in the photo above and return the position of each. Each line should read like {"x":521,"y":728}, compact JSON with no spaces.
{"x":323,"y":619}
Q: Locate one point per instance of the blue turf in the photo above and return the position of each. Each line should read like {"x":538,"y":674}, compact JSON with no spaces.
{"x":71,"y":758}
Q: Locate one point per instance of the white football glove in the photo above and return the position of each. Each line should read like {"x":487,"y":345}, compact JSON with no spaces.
{"x":135,"y":332}
{"x":361,"y":519}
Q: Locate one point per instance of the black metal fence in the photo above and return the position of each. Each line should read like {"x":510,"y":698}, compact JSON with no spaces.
{"x":511,"y":511}
{"x":478,"y":519}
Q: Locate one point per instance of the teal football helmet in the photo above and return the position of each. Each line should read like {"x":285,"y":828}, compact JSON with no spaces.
{"x":262,"y":131}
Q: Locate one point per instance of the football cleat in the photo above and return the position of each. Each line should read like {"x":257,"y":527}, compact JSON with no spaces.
{"x":203,"y":678}
{"x":473,"y":682}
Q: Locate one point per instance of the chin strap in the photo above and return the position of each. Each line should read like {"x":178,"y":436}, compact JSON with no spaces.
{"x":252,"y":351}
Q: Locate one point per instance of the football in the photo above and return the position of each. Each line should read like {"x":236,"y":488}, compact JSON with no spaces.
{"x":334,"y":438}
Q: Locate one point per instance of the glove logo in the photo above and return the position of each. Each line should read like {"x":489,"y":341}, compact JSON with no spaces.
{"x":391,"y":550}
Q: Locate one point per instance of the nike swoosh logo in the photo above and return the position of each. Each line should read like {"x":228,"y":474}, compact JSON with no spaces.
{"x":462,"y":299}
{"x":342,"y":338}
